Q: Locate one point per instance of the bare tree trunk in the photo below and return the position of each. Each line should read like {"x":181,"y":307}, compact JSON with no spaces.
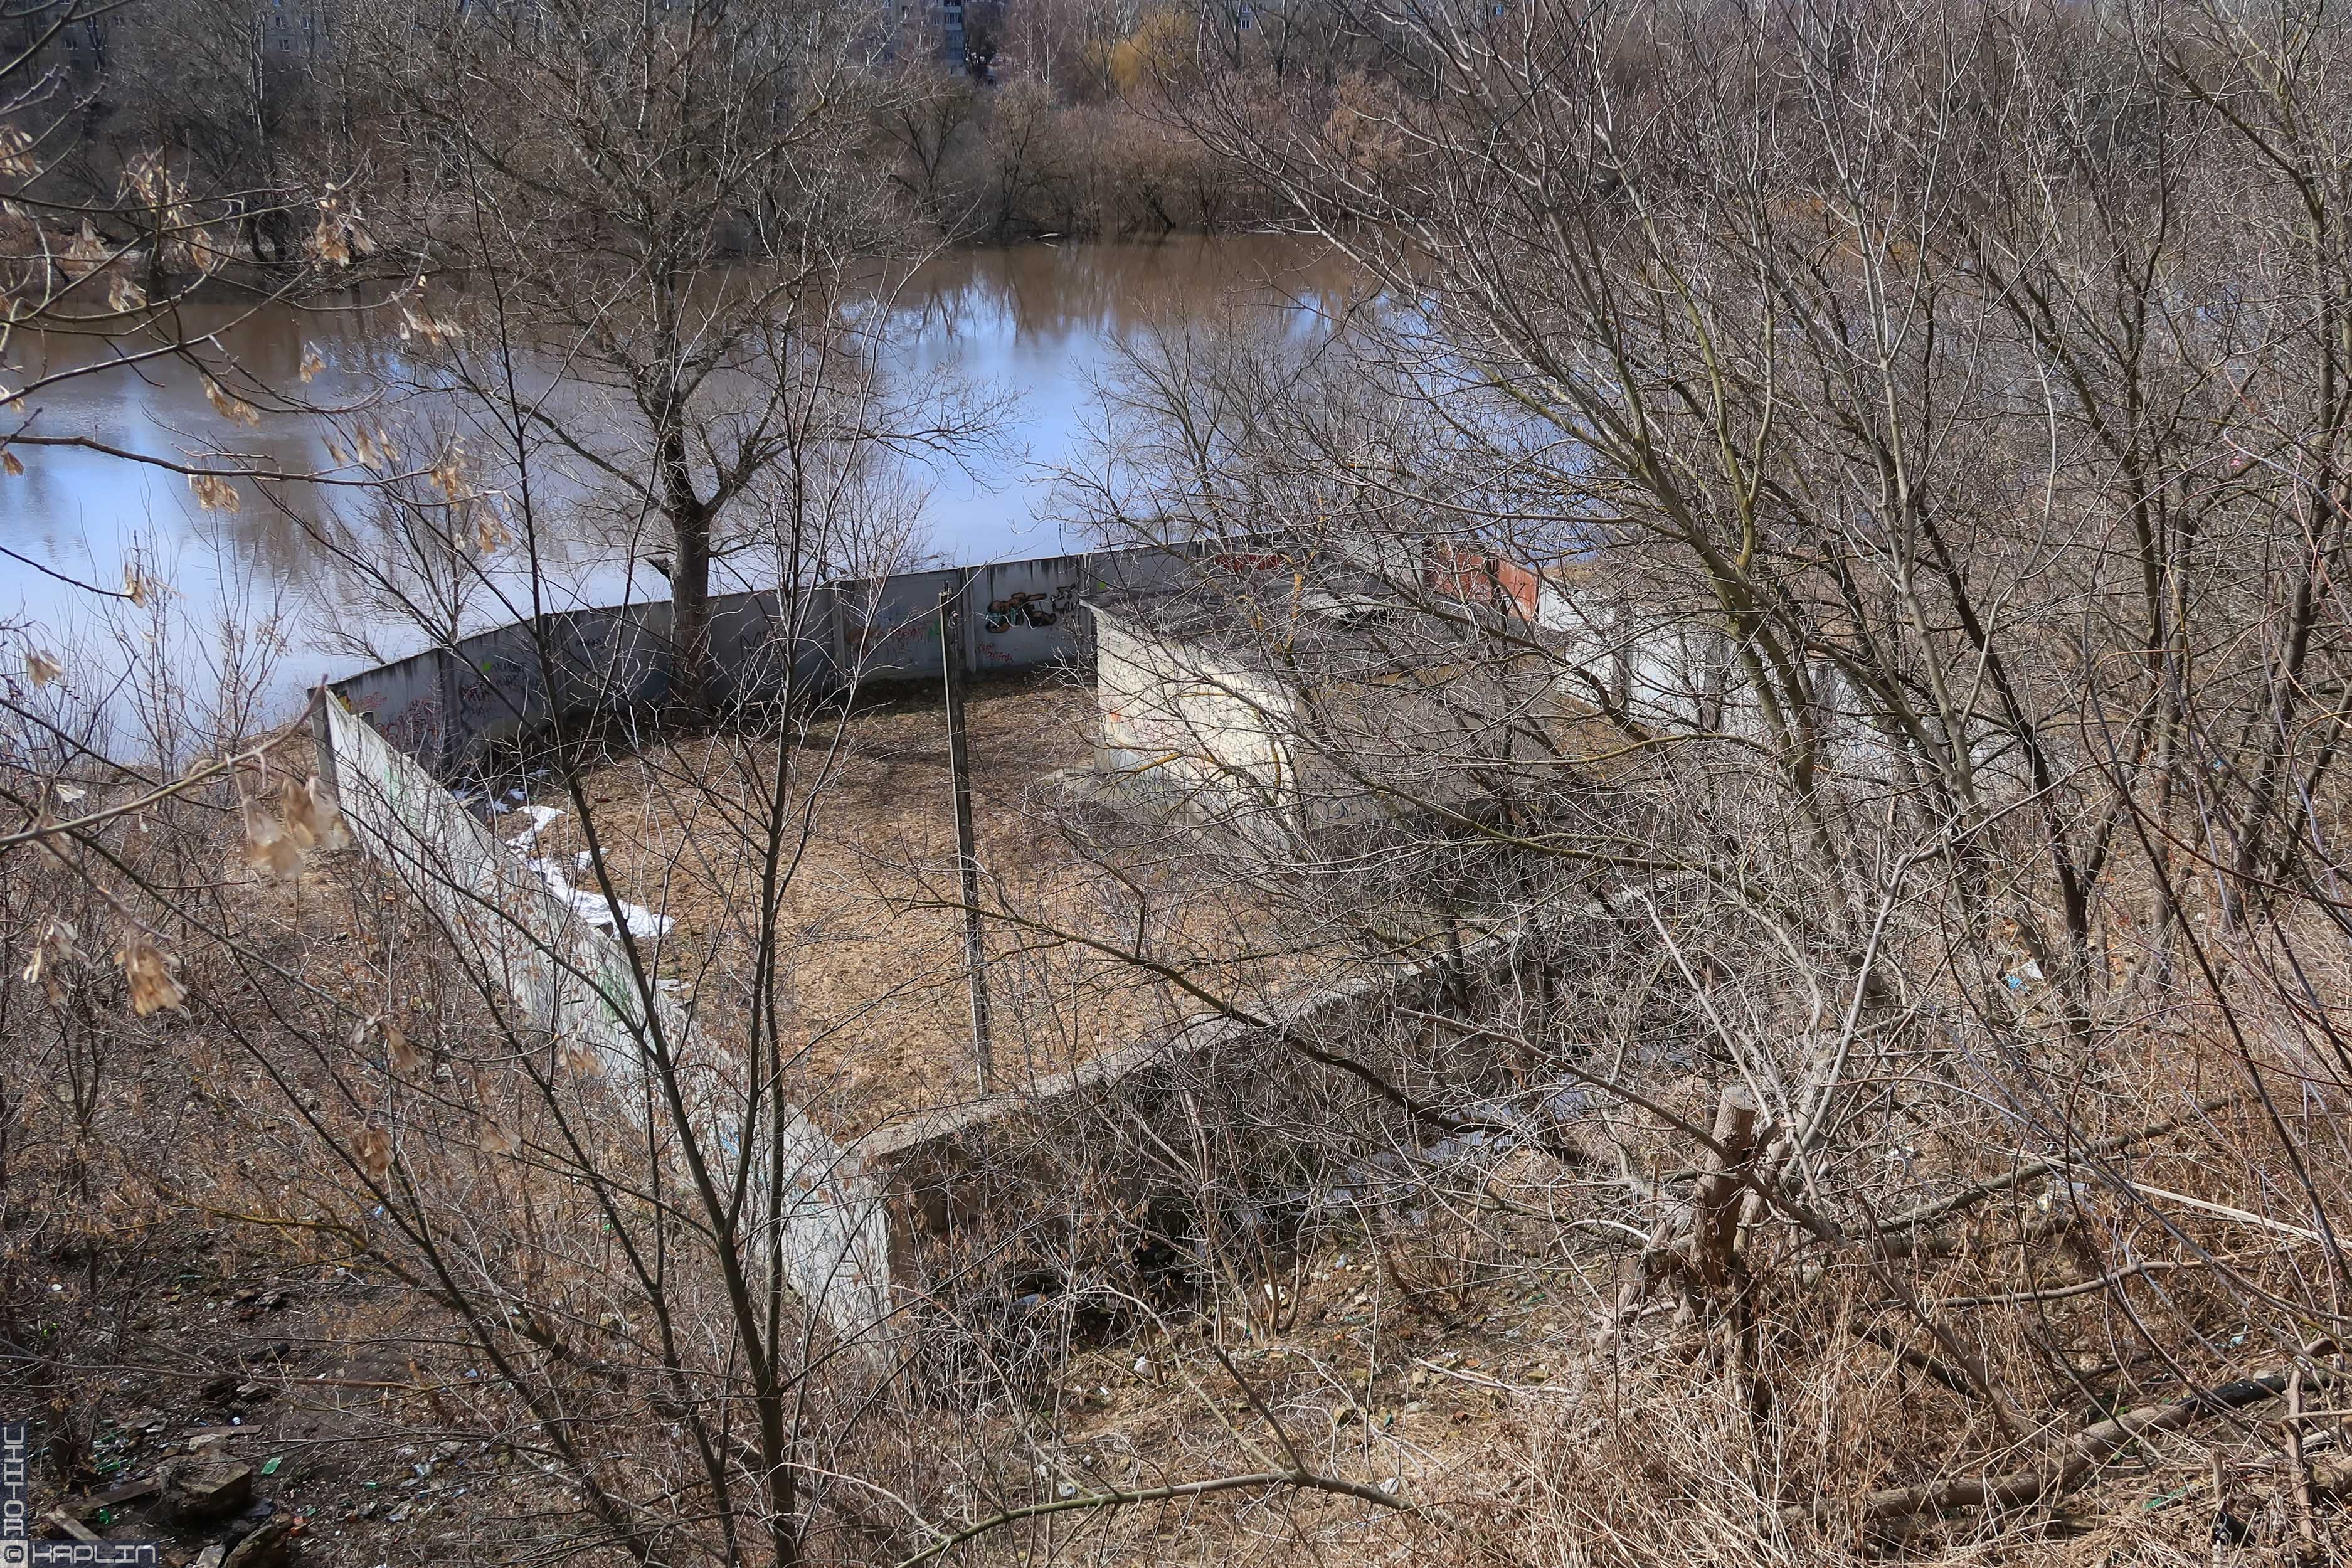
{"x":689,"y":682}
{"x":689,"y":581}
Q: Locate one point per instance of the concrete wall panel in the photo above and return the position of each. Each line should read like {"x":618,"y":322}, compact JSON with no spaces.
{"x":448,"y":708}
{"x":565,"y":978}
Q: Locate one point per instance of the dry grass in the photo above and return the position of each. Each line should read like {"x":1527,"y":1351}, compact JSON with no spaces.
{"x":872,"y":973}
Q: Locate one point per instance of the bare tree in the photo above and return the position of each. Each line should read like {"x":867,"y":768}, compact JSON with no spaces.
{"x":672,"y":212}
{"x":1870,"y":428}
{"x":105,"y":247}
{"x":927,"y":121}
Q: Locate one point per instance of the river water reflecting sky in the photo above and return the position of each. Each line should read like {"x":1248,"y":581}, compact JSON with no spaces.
{"x":1031,"y":327}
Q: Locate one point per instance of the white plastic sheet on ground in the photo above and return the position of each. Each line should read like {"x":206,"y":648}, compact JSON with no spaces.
{"x":587,"y":902}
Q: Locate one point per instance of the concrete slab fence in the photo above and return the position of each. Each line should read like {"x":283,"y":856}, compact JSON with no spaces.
{"x":448,"y":708}
{"x":873,"y":1230}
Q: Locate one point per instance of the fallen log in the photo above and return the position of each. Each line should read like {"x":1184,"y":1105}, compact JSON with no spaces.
{"x":2076,"y":1460}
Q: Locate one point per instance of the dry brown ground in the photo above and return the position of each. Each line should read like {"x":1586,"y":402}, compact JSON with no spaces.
{"x":1459,"y":1398}
{"x":872,"y":957}
{"x":1469,"y":1405}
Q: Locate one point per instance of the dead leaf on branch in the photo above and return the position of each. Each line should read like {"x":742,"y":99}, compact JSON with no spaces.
{"x":148,"y":969}
{"x":54,"y":948}
{"x":447,"y":474}
{"x":229,"y":405}
{"x":401,"y":1057}
{"x":375,"y":449}
{"x":339,"y":236}
{"x":86,"y":254}
{"x":434,"y":330}
{"x":373,"y":1147}
{"x":311,"y":817}
{"x":270,"y":848}
{"x":213,"y":492}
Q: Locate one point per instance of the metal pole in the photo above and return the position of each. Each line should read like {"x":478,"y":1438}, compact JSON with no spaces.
{"x":967,"y":859}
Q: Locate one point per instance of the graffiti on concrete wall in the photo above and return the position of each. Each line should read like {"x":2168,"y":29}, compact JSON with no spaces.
{"x":416,"y":728}
{"x":1028,"y":609}
{"x":1038,"y":610}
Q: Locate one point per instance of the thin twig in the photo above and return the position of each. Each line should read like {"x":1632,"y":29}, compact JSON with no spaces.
{"x":1302,"y":1479}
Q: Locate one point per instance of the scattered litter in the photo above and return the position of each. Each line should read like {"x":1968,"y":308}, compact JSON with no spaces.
{"x":269,"y":1466}
{"x":2074,"y":1192}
